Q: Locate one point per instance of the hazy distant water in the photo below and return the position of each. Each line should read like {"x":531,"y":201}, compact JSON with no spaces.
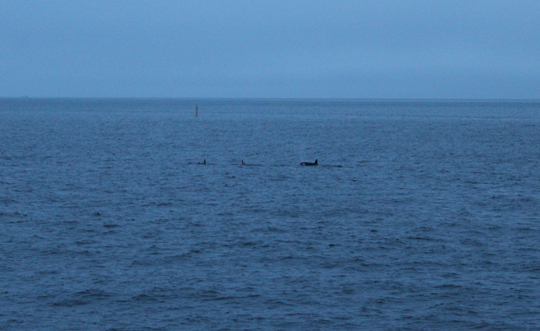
{"x":421,"y":215}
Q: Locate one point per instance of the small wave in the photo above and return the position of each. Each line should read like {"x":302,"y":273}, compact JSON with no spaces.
{"x":224,"y":298}
{"x":143,"y":262}
{"x":110,"y":226}
{"x":420,"y":238}
{"x":274,"y":229}
{"x":70,"y":303}
{"x":274,"y":302}
{"x":93,"y":293}
{"x":85,"y":242}
{"x":144,"y":298}
{"x":448,"y":286}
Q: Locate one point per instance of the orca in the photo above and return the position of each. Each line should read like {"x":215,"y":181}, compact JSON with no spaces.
{"x":203,"y":163}
{"x":310,"y":163}
{"x":243,"y":162}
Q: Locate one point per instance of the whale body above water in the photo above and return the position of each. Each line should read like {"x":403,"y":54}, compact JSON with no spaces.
{"x":310,"y":163}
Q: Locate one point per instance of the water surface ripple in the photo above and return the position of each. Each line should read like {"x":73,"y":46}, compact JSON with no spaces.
{"x":420,"y":215}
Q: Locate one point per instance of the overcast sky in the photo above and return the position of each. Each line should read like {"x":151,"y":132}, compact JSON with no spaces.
{"x":472,"y":49}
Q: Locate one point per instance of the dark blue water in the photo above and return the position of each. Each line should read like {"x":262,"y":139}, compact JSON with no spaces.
{"x":420,"y":215}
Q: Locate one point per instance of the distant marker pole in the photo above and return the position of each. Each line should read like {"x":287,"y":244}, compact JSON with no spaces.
{"x":197,"y":110}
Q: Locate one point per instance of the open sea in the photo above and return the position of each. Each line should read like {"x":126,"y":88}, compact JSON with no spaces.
{"x":421,"y":215}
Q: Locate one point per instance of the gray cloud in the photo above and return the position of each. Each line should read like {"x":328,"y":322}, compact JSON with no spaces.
{"x":355,"y":49}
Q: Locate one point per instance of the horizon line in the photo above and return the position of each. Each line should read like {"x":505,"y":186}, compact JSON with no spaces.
{"x":275,"y":98}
